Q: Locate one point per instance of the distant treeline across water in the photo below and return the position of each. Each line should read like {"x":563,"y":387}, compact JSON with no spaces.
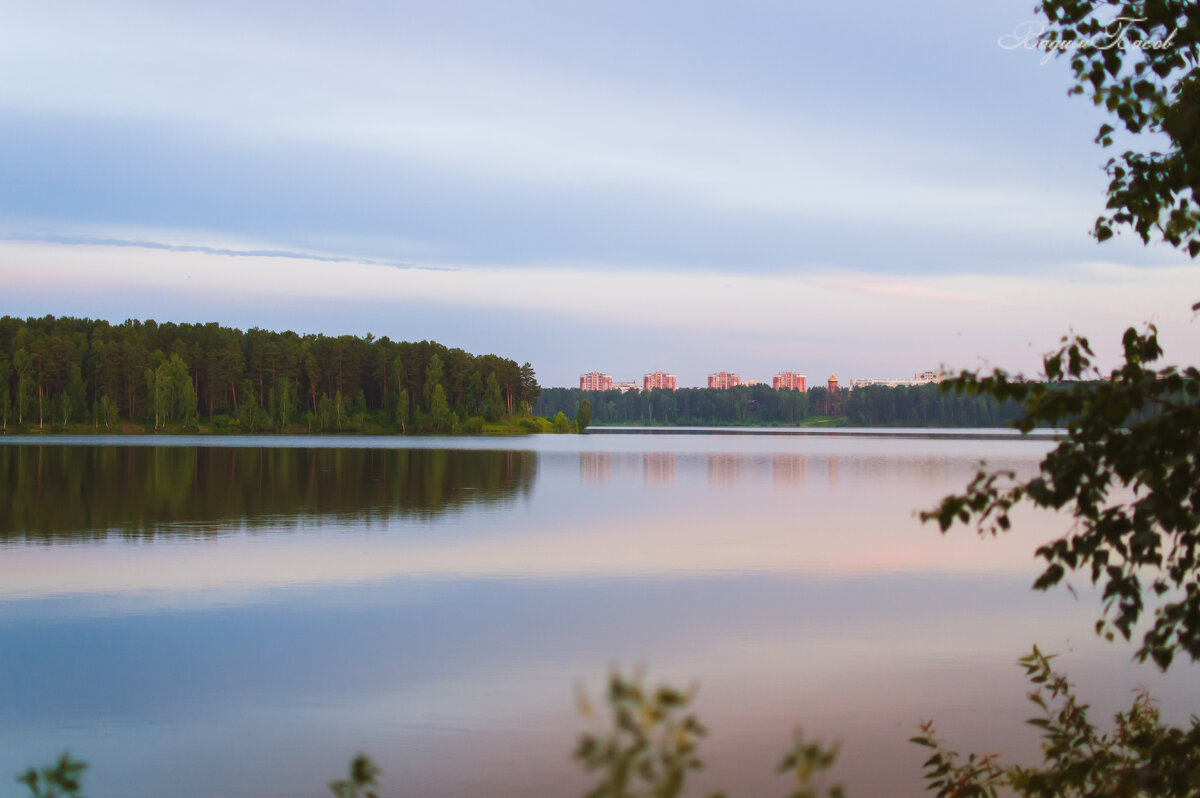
{"x":58,"y":372}
{"x":874,"y":405}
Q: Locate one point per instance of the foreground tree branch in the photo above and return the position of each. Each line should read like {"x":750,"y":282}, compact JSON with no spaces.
{"x":1128,"y":470}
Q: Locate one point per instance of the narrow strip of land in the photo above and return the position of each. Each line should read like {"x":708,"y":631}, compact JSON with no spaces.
{"x":975,"y":434}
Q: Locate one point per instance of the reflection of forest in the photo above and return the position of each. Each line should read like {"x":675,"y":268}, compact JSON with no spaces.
{"x":81,"y":492}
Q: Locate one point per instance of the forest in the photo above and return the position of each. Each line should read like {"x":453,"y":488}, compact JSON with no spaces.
{"x":870,"y":406}
{"x":73,"y":374}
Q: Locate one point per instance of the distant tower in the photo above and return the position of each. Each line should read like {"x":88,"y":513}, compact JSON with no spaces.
{"x":833,"y":398}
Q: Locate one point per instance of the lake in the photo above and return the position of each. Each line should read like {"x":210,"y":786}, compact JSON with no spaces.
{"x":240,"y":616}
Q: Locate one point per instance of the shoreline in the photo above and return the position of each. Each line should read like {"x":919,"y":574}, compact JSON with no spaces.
{"x":954,"y":433}
{"x":356,"y":440}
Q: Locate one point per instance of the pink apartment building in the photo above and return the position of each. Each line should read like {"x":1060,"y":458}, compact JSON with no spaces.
{"x":595,"y":381}
{"x":658,"y":379}
{"x":723,"y":379}
{"x":790,"y":381}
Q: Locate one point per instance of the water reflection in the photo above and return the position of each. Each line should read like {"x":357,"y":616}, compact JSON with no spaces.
{"x":425,"y":615}
{"x":58,"y":493}
{"x":595,"y":467}
{"x":724,"y":470}
{"x":658,"y":468}
{"x":788,"y":470}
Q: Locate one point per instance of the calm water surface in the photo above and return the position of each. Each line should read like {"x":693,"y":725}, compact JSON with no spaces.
{"x":241,"y":616}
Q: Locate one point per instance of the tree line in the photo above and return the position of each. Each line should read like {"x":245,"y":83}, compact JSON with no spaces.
{"x":869,"y":406}
{"x":56,"y":372}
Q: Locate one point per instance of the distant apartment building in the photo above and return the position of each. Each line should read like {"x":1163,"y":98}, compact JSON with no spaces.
{"x":595,"y":381}
{"x":923,"y":378}
{"x":789,"y":381}
{"x":625,"y":387}
{"x":751,"y":381}
{"x":723,"y":379}
{"x":658,"y":379}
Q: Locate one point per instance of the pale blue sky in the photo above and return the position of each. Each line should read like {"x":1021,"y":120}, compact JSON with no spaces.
{"x":870,"y":188}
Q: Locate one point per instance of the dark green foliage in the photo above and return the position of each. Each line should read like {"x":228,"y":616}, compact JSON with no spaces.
{"x":530,"y":390}
{"x":60,"y":780}
{"x":1149,"y":90}
{"x":871,"y":406}
{"x":178,"y":376}
{"x":583,"y":416}
{"x":472,"y":398}
{"x":493,"y":403}
{"x":402,"y":411}
{"x":1127,"y":468}
{"x":5,"y":393}
{"x":439,"y":411}
{"x":434,"y":373}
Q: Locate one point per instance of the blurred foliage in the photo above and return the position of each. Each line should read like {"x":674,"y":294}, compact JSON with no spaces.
{"x":654,"y":744}
{"x":60,"y":780}
{"x":361,"y":781}
{"x":654,"y":740}
{"x":1140,"y":758}
{"x":1133,"y":486}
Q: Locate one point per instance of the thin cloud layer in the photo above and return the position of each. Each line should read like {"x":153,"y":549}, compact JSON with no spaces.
{"x":827,"y":320}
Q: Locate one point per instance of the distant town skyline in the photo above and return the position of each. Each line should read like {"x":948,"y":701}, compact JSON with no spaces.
{"x":783,"y":380}
{"x":571,"y":183}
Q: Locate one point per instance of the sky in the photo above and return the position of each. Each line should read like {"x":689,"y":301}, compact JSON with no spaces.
{"x":865,"y":188}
